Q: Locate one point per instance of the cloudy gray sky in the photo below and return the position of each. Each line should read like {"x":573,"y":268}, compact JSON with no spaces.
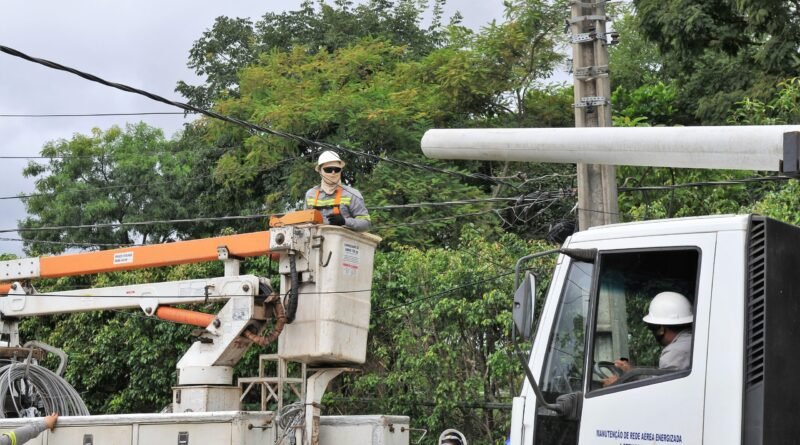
{"x":142,"y":43}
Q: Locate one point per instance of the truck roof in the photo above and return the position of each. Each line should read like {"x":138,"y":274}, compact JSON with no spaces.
{"x":695,"y":224}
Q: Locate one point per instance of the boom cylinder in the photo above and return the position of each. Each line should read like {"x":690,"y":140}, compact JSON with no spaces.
{"x":184,"y":316}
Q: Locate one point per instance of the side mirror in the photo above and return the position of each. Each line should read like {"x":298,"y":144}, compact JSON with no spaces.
{"x":522,"y":312}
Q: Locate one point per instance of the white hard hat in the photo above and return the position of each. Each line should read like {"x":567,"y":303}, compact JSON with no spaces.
{"x":328,"y":156}
{"x":452,"y":436}
{"x":669,"y":309}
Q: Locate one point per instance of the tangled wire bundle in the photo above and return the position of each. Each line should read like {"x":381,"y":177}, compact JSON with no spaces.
{"x":36,"y":386}
{"x":290,"y":417}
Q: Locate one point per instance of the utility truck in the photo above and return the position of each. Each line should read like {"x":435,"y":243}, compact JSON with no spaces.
{"x":739,"y":272}
{"x":319,"y":316}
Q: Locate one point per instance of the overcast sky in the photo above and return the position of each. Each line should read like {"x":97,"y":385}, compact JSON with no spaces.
{"x":142,"y":43}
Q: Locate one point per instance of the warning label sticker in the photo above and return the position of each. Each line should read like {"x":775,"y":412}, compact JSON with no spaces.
{"x":350,"y":259}
{"x":123,"y":258}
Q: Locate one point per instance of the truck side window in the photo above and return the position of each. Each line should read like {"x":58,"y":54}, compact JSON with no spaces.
{"x":632,"y":346}
{"x":564,"y":363}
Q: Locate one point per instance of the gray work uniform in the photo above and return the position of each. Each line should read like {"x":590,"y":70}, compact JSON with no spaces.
{"x":23,"y":434}
{"x":351,"y":207}
{"x":678,"y":354}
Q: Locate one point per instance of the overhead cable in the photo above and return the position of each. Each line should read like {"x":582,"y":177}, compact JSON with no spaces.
{"x":704,"y":184}
{"x":147,"y":113}
{"x":522,"y":201}
{"x":249,"y":125}
{"x":139,"y":185}
{"x":105,"y":153}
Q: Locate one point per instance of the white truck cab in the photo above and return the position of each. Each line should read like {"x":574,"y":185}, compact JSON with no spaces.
{"x":741,"y":386}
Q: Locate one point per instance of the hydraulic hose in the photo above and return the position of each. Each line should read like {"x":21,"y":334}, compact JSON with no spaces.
{"x":291,"y":307}
{"x":279,"y":314}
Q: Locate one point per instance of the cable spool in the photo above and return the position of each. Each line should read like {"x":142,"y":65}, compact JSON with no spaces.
{"x":30,"y":390}
{"x":26,"y":387}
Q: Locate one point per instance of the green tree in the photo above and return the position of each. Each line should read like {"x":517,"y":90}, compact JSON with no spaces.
{"x":779,"y":109}
{"x":374,"y":95}
{"x":233,"y":44}
{"x":439,"y":339}
{"x":722,"y":50}
{"x":113,"y":176}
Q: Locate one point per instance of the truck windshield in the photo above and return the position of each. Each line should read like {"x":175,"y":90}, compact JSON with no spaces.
{"x":564,"y":369}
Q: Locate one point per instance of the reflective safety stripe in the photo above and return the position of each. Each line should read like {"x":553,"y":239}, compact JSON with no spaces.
{"x":336,"y":202}
{"x":346,"y":200}
{"x":363,"y":217}
{"x":11,"y":435}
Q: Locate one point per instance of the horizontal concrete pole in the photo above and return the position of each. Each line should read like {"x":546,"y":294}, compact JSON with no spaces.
{"x":724,"y":147}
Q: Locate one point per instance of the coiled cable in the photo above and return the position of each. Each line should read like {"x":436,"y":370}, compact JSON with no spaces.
{"x":288,"y":418}
{"x":31,"y":384}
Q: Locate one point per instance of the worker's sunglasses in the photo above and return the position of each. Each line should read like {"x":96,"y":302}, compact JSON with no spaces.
{"x":331,"y":169}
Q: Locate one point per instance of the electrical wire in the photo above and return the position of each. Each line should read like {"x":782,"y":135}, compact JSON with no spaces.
{"x":525,"y":202}
{"x":704,"y":184}
{"x":104,"y":153}
{"x":444,"y":292}
{"x":68,"y":243}
{"x":133,"y":224}
{"x":250,"y":126}
{"x":288,"y":419}
{"x":52,"y":391}
{"x":145,"y":113}
{"x":139,"y":185}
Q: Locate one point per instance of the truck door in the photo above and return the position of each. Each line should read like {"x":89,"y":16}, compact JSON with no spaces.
{"x":657,"y":400}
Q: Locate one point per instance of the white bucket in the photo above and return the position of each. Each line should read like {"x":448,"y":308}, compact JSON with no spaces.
{"x":333,"y":308}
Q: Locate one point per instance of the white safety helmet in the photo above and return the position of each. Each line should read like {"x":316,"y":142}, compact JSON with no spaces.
{"x":328,"y":156}
{"x":669,"y":309}
{"x":451,"y":436}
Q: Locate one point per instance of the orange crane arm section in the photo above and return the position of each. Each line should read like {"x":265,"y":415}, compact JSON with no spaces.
{"x":170,"y":254}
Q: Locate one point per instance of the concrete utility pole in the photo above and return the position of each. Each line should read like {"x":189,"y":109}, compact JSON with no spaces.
{"x":597,"y":186}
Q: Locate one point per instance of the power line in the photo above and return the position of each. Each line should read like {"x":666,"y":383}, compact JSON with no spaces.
{"x":705,"y":184}
{"x":134,"y":185}
{"x":444,"y":292}
{"x":106,"y":153}
{"x":67,"y":243}
{"x":249,"y":125}
{"x":482,"y":212}
{"x":522,"y":202}
{"x":133,"y":224}
{"x":146,"y":113}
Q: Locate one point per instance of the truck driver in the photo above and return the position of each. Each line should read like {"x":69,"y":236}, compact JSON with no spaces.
{"x":670,"y":320}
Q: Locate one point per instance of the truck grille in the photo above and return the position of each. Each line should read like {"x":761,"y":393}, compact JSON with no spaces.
{"x":756,"y":302}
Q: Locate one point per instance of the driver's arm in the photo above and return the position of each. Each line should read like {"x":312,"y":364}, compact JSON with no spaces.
{"x":624,"y":365}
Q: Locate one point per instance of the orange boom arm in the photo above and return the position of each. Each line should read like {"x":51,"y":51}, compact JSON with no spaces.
{"x":170,"y":254}
{"x":157,"y":255}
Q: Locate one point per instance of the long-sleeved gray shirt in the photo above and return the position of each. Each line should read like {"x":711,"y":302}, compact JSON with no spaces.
{"x":678,"y":354}
{"x":352,"y":206}
{"x":24,"y":433}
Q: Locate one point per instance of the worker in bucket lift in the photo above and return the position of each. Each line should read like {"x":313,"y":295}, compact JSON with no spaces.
{"x":28,"y":432}
{"x":670,"y":320}
{"x":341,"y":205}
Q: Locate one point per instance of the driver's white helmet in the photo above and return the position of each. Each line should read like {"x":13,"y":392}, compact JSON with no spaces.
{"x":328,"y":156}
{"x":669,"y":309}
{"x":451,"y":436}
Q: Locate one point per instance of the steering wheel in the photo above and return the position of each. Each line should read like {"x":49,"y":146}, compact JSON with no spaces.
{"x":603,"y":370}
